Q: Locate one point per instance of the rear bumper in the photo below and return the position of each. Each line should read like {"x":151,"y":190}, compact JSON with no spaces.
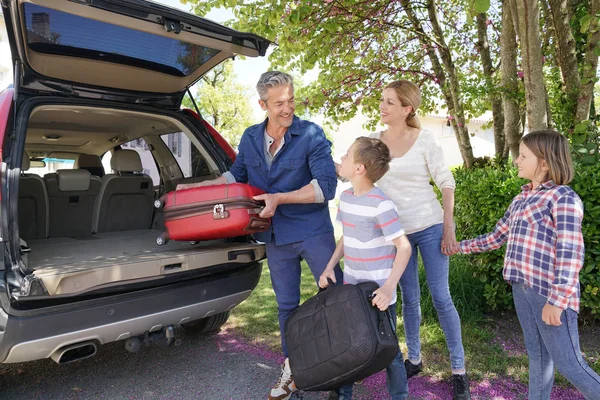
{"x":28,"y":338}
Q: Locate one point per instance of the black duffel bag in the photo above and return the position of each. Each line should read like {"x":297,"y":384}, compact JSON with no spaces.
{"x":338,"y":337}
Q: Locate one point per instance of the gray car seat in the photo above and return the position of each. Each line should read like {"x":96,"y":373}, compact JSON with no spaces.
{"x":126,"y":197}
{"x":72,"y":194}
{"x":33,"y":204}
{"x":90,"y":162}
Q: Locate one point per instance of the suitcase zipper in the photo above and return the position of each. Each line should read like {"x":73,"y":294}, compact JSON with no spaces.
{"x":219,"y":210}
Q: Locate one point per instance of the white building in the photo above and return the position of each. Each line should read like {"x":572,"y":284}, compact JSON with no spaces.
{"x":482,"y":140}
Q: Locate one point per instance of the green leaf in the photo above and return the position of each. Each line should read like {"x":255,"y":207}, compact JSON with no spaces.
{"x":589,"y":159}
{"x":585,"y":23}
{"x":582,"y":126}
{"x":481,"y":6}
{"x":597,"y":49}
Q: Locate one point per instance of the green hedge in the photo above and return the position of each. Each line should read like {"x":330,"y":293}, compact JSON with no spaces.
{"x":482,"y":197}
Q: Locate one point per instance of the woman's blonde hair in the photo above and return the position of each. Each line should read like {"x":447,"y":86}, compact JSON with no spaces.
{"x":554,"y":148}
{"x":409,"y":95}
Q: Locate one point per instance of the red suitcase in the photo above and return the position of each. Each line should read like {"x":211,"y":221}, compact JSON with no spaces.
{"x":211,"y":212}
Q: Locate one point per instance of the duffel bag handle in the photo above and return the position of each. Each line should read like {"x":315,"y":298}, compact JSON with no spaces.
{"x":383,"y":315}
{"x":331,"y":284}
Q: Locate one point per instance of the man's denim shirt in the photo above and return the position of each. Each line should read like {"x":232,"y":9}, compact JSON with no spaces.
{"x":305,"y":155}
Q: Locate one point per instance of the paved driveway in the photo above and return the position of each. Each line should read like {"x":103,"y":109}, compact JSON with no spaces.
{"x":203,"y":367}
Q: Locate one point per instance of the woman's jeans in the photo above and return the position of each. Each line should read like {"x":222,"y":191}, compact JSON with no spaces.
{"x":551,"y":346}
{"x":397,"y":384}
{"x":428,"y":243}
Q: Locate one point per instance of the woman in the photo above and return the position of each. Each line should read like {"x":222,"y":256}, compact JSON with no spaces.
{"x":418,"y":158}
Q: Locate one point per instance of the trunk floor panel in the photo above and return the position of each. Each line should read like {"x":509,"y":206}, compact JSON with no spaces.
{"x":67,"y":265}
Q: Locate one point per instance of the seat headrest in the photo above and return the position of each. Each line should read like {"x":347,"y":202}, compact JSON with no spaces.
{"x":87,"y":160}
{"x":73,"y":180}
{"x":25,"y":164}
{"x":91,"y":163}
{"x":126,"y":161}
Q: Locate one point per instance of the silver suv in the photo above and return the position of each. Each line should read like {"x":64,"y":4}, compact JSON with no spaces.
{"x":92,"y":133}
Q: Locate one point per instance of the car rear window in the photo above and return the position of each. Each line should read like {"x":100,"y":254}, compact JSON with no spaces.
{"x":56,"y":32}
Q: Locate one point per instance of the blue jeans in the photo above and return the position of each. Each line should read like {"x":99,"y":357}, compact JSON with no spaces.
{"x":284,"y":266}
{"x":551,"y":346}
{"x":428,"y":243}
{"x":397,"y":384}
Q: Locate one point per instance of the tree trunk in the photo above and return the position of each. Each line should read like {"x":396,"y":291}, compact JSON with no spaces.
{"x":495,"y":98}
{"x":590,"y":64}
{"x":510,"y":85}
{"x":528,"y":16}
{"x":567,"y":57}
{"x":464,"y":144}
{"x":450,"y":69}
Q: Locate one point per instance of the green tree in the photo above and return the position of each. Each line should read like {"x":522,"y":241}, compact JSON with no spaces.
{"x":224,"y":102}
{"x":532,"y":62}
{"x":358,"y":47}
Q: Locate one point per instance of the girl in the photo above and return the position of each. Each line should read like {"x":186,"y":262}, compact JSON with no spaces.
{"x":544,"y":253}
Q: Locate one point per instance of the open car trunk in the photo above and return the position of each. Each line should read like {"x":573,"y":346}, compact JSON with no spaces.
{"x":85,"y":244}
{"x":73,"y":266}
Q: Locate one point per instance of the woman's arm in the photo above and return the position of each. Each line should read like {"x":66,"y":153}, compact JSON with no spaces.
{"x":449,"y":235}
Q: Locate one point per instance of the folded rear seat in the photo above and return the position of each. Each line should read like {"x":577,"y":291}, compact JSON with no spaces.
{"x":72,"y":195}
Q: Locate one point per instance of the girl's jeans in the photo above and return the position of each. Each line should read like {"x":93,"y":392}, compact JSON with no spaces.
{"x":551,"y":346}
{"x":428,"y":243}
{"x":397,"y":384}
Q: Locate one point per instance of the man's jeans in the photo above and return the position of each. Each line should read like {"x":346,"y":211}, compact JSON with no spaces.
{"x":397,"y":384}
{"x":428,"y":243}
{"x":551,"y":346}
{"x":284,"y":266}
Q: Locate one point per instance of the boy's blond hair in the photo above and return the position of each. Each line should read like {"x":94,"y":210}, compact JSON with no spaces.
{"x":374,"y":155}
{"x":554,"y":148}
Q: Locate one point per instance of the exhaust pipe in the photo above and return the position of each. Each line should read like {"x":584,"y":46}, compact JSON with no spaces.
{"x":75,"y":352}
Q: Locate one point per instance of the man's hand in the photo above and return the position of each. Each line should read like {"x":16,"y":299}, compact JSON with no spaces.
{"x":382,"y":297}
{"x":327,"y":274}
{"x":551,"y":315}
{"x":271,"y":203}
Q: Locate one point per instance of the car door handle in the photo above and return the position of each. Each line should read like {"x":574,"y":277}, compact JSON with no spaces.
{"x":233,"y":255}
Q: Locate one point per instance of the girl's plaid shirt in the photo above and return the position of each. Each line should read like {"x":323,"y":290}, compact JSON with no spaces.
{"x":545,"y":245}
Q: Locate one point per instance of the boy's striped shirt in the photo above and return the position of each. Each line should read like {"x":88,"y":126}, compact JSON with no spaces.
{"x":370,"y":223}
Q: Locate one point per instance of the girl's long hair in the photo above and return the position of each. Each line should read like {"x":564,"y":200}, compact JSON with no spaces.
{"x":554,"y":148}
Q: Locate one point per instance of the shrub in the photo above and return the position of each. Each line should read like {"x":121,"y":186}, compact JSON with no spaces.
{"x":483,"y":195}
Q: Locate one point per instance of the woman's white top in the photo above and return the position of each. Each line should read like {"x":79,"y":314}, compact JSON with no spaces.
{"x":407,"y":183}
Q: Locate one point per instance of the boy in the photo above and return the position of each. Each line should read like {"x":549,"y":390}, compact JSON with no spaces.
{"x":373,"y":244}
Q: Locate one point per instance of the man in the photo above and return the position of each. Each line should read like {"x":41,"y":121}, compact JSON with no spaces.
{"x":290,"y":159}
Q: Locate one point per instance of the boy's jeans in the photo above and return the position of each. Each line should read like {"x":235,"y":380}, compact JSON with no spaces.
{"x":397,"y":383}
{"x":284,"y":266}
{"x":428,"y":243}
{"x":551,"y":346}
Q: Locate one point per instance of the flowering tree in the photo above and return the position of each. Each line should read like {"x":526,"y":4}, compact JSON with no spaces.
{"x":515,"y":58}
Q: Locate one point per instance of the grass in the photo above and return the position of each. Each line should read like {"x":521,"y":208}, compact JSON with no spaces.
{"x":486,"y":352}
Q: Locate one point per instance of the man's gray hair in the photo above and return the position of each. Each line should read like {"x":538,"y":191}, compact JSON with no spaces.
{"x":272,"y":79}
